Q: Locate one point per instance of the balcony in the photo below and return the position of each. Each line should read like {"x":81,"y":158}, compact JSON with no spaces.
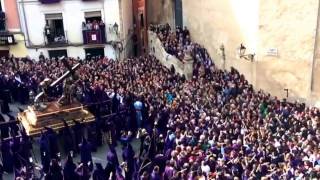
{"x":94,"y":36}
{"x":55,"y":38}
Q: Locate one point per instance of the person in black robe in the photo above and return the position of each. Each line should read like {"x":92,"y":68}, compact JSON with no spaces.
{"x":85,"y":153}
{"x":4,"y":128}
{"x":110,"y":130}
{"x":160,"y":144}
{"x":53,"y":143}
{"x":128,"y":157}
{"x":160,"y":161}
{"x":98,"y":130}
{"x":5,"y":99}
{"x":14,"y":128}
{"x":16,"y":148}
{"x":44,"y":152}
{"x":163,"y":120}
{"x":78,"y":134}
{"x":99,"y":173}
{"x":55,"y":171}
{"x":1,"y":172}
{"x":69,"y":169}
{"x":92,"y":136}
{"x":152,"y":146}
{"x":26,"y":147}
{"x":112,"y":163}
{"x":83,"y":172}
{"x":25,"y":94}
{"x":67,"y":138}
{"x":115,"y":102}
{"x":7,"y":156}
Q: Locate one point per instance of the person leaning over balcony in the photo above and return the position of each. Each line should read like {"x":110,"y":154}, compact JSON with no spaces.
{"x":47,"y":32}
{"x":89,"y":25}
{"x":101,"y":25}
{"x":95,"y":25}
{"x":84,"y":26}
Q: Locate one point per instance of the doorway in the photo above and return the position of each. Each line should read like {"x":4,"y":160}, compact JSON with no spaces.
{"x":54,"y":29}
{"x":57,"y":53}
{"x":178,"y":13}
{"x":94,"y":52}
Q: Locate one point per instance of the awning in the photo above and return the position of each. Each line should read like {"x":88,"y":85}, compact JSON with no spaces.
{"x":92,"y":14}
{"x":49,"y":1}
{"x":53,"y":16}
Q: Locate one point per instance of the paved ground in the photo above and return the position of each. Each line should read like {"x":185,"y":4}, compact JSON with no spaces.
{"x":98,"y":157}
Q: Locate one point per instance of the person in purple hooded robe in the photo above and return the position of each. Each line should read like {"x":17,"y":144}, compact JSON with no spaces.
{"x":85,"y":153}
{"x":128,"y":157}
{"x":112,"y":163}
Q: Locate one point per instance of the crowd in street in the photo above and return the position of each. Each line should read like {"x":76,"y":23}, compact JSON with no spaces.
{"x":213,"y":126}
{"x":178,"y":43}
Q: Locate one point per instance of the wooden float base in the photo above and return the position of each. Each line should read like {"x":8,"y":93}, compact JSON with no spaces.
{"x":34,"y":121}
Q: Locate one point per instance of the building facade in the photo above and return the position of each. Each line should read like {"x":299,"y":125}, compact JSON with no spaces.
{"x":11,"y":37}
{"x":140,"y":23}
{"x":77,"y":28}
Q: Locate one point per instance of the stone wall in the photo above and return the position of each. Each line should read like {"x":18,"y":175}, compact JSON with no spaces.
{"x":160,"y":11}
{"x":288,"y":26}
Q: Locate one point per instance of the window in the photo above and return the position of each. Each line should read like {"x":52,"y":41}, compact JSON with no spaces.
{"x":54,"y":30}
{"x":94,"y":52}
{"x":57,"y":53}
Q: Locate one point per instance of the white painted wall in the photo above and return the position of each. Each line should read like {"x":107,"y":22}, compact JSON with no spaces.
{"x":73,"y":16}
{"x":71,"y":51}
{"x":112,"y":16}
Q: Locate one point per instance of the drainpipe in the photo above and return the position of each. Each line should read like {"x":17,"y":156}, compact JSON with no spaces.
{"x":314,"y":50}
{"x":25,"y":23}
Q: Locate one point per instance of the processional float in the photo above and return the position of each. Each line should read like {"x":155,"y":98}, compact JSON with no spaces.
{"x":53,"y":114}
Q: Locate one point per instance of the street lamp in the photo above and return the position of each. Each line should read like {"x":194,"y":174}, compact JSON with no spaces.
{"x":242,"y":51}
{"x":116,"y":27}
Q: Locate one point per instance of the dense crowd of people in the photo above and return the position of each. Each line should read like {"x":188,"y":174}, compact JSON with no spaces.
{"x":178,"y":43}
{"x":213,"y":126}
{"x":175,"y":43}
{"x":93,"y":25}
